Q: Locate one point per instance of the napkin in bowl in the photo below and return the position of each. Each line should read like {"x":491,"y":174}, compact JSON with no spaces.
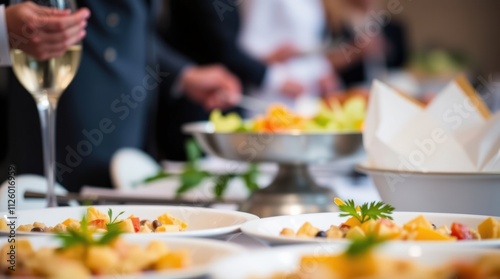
{"x":454,"y":133}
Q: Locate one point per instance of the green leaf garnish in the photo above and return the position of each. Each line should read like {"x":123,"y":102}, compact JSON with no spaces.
{"x":111,"y":220}
{"x":362,"y":245}
{"x":85,"y":237}
{"x":192,"y":175}
{"x":367,"y":211}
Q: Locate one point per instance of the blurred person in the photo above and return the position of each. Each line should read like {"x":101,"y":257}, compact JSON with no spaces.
{"x":207,"y":32}
{"x":362,"y":53}
{"x":291,"y":35}
{"x":111,"y":102}
{"x":39,"y":31}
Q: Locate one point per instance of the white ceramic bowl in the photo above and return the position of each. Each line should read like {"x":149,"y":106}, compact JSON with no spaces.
{"x":263,"y":263}
{"x":268,"y":229}
{"x":202,"y":222}
{"x":203,"y":253}
{"x":469,"y":193}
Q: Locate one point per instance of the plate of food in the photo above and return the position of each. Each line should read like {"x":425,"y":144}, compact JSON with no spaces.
{"x":361,"y":259}
{"x":81,"y":255}
{"x":357,"y":221}
{"x":145,"y":221}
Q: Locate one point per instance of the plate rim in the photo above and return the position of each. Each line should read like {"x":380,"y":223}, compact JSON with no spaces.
{"x":201,"y":270}
{"x":184,"y":234}
{"x":365,"y":168}
{"x":277,"y":239}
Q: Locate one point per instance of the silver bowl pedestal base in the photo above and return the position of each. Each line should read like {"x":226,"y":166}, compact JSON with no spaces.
{"x":293,"y":191}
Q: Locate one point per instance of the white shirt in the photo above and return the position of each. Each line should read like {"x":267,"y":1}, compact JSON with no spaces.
{"x":4,"y":39}
{"x":268,"y":25}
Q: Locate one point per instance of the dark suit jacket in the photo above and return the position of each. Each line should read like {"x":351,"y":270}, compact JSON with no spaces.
{"x":110,"y":103}
{"x":396,"y":54}
{"x":207,"y":32}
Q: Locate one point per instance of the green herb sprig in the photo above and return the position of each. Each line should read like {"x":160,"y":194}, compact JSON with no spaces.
{"x":112,"y":221}
{"x":362,"y":245}
{"x":85,"y":237}
{"x":366,"y":211}
{"x":192,"y":175}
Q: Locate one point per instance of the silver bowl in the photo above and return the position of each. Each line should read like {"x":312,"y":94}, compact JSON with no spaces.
{"x":293,"y":190}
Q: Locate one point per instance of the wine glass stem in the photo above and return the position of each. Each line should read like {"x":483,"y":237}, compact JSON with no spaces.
{"x":47,"y":112}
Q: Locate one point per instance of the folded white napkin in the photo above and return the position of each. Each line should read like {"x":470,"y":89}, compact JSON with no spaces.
{"x":453,"y":133}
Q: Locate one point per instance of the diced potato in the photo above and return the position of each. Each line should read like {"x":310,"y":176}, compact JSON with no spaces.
{"x":126,"y":226}
{"x":489,"y":228}
{"x":39,"y":225}
{"x":168,"y":228}
{"x":22,"y":250}
{"x":3,"y":225}
{"x":167,"y":219}
{"x":156,"y":249}
{"x":334,"y":233}
{"x":287,"y":232}
{"x":369,"y":226}
{"x":355,"y":232}
{"x":60,"y":228}
{"x":418,"y":222}
{"x":307,"y":230}
{"x":25,"y":228}
{"x":69,"y":221}
{"x":93,"y":214}
{"x":352,"y":222}
{"x":76,"y":252}
{"x":387,"y":229}
{"x":135,"y":260}
{"x":145,"y":229}
{"x":102,"y":259}
{"x":173,"y":260}
{"x":431,"y":234}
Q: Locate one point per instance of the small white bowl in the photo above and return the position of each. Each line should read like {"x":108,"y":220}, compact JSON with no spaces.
{"x":469,"y":193}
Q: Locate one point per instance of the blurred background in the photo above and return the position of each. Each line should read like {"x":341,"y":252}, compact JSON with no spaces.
{"x":417,"y":46}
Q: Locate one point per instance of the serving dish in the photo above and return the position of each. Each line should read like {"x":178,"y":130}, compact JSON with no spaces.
{"x":268,"y":229}
{"x":265,"y":263}
{"x":201,"y":222}
{"x":201,"y":253}
{"x":293,"y":189}
{"x":469,"y":193}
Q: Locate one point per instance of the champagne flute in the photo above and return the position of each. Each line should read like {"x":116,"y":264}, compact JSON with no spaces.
{"x":46,"y":80}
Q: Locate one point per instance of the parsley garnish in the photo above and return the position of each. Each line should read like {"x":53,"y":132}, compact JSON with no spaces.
{"x":362,"y":245}
{"x":365,"y":212}
{"x":85,"y":237}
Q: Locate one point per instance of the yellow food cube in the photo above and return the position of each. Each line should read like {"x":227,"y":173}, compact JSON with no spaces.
{"x":430,"y":234}
{"x":25,"y":228}
{"x":369,"y":226}
{"x":355,"y":232}
{"x":102,"y":259}
{"x":93,"y":214}
{"x":334,"y":233}
{"x":173,"y":260}
{"x":3,"y":225}
{"x":167,"y":219}
{"x":168,"y":228}
{"x":419,"y":222}
{"x":287,"y":232}
{"x":126,"y":226}
{"x":307,"y":230}
{"x":352,"y":222}
{"x":489,"y":228}
{"x":156,"y":249}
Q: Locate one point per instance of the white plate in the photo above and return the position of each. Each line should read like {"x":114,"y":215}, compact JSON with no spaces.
{"x":203,"y":253}
{"x":268,"y":229}
{"x":202,"y":222}
{"x":286,"y":259}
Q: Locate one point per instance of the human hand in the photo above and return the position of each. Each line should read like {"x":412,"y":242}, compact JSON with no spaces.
{"x":211,"y":86}
{"x":44,"y":32}
{"x":281,"y":54}
{"x":292,"y":89}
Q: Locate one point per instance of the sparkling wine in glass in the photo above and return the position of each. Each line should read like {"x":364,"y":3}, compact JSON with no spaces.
{"x":46,"y":81}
